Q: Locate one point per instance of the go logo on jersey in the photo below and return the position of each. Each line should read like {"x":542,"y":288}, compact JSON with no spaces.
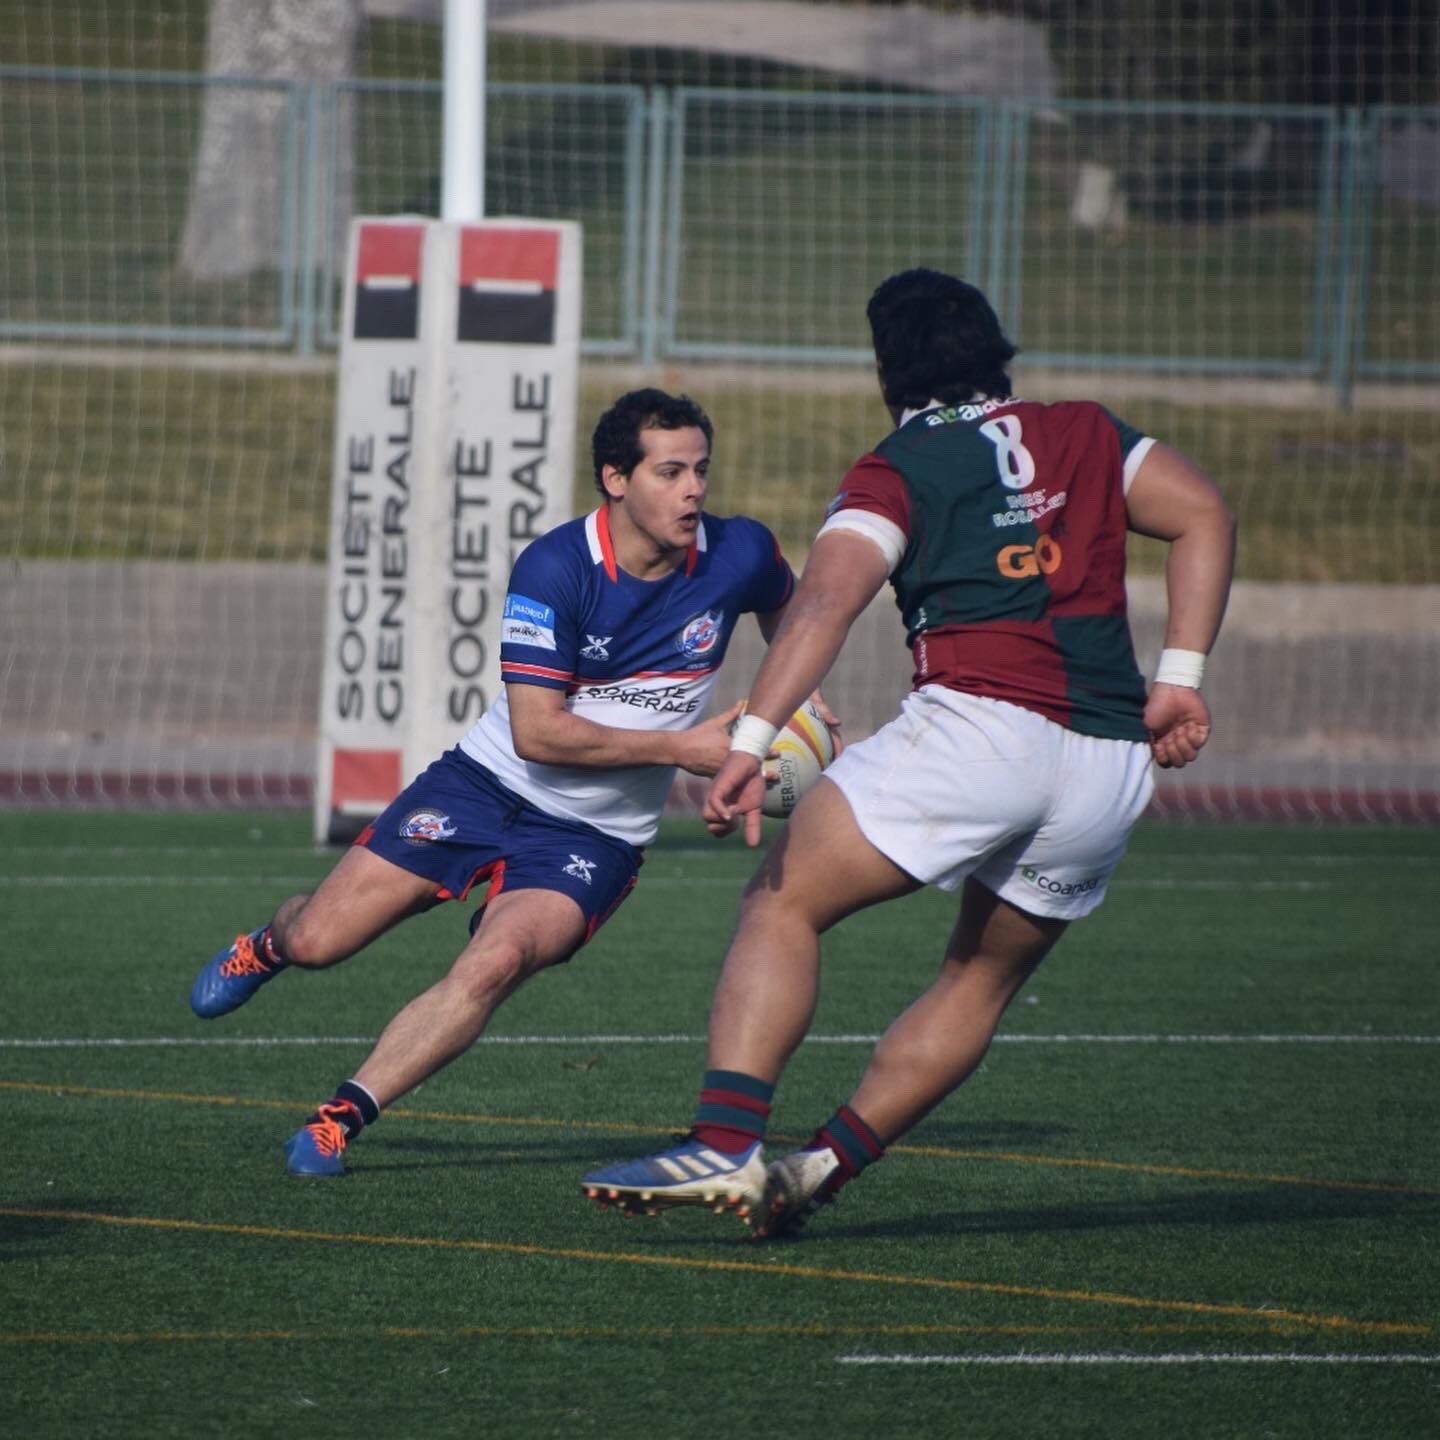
{"x":1019,"y":562}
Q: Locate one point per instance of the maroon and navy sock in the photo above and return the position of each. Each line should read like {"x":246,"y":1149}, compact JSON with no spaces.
{"x":855,"y":1144}
{"x":732,"y":1111}
{"x":354,"y":1107}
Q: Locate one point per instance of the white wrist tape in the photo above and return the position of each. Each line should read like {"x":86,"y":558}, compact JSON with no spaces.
{"x":1180,"y":667}
{"x":753,"y":735}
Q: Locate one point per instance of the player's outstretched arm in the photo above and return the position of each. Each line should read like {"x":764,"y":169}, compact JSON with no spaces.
{"x":769,"y":621}
{"x":545,"y":732}
{"x":1174,"y":500}
{"x":844,"y":573}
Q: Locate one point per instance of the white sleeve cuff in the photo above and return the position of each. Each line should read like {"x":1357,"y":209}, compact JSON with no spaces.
{"x":885,"y":533}
{"x":1134,"y":459}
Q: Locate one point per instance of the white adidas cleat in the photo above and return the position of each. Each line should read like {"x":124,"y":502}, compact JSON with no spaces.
{"x":796,"y":1186}
{"x":691,"y":1174}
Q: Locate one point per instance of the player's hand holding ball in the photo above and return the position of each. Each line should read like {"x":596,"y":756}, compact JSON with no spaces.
{"x":798,"y":755}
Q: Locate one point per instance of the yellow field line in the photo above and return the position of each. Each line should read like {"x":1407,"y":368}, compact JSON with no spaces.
{"x":1133,"y":1167}
{"x":1141,"y":1167}
{"x":738,"y":1267}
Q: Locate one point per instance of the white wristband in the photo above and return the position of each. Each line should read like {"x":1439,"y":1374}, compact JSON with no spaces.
{"x":753,"y":735}
{"x":1180,"y":667}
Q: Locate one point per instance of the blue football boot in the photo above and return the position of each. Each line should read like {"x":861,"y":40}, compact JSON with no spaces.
{"x":692,"y":1173}
{"x":318,"y":1148}
{"x":230,"y":978}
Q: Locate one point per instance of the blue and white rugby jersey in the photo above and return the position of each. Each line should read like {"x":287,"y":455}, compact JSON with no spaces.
{"x":633,"y":654}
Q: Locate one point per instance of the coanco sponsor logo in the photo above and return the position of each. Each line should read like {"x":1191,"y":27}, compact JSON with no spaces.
{"x":1019,"y":562}
{"x":1058,"y":887}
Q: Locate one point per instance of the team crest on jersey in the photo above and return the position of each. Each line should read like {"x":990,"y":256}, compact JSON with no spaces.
{"x":702,"y":634}
{"x":596,"y":647}
{"x":580,"y":868}
{"x":423,"y":827}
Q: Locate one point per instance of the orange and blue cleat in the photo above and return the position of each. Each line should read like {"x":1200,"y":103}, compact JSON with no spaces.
{"x":318,"y":1148}
{"x":230,"y":978}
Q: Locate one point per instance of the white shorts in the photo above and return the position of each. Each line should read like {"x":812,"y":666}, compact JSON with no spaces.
{"x":959,"y":785}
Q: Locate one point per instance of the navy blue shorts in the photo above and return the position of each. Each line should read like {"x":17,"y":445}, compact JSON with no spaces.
{"x":457,"y":825}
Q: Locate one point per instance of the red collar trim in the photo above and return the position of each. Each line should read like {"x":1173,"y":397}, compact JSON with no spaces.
{"x":607,"y":546}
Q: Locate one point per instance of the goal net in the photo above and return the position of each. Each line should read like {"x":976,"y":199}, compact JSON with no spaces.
{"x":1223,"y":226}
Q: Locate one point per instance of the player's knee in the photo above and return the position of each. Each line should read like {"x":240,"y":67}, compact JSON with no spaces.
{"x":771,"y":907}
{"x":304,"y":942}
{"x":495,"y":968}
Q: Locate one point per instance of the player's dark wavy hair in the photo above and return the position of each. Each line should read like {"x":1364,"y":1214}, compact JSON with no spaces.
{"x":616,"y":440}
{"x":936,"y":338}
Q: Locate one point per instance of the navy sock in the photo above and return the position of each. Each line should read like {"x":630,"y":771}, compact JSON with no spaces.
{"x":355,"y":1108}
{"x":732,"y":1111}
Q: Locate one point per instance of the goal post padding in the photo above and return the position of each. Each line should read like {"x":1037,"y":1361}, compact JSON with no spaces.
{"x":454,"y":447}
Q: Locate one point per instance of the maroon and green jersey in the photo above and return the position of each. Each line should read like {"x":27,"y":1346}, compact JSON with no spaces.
{"x":1008,"y":520}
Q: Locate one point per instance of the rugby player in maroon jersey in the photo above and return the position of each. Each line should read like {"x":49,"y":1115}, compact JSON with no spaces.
{"x":1014,"y":771}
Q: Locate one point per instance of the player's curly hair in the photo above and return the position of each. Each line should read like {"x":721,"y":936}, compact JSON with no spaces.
{"x":616,"y":440}
{"x":936,"y":338}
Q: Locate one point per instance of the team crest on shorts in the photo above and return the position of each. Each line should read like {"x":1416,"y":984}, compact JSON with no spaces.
{"x":422,"y":827}
{"x":702,"y":634}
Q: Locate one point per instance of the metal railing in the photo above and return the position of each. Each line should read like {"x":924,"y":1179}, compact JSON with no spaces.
{"x":744,"y":224}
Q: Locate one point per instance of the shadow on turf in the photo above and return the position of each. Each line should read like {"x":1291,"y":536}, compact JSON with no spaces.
{"x":1213,"y":1209}
{"x":397,"y":1152}
{"x":1278,"y":1204}
{"x":1199,"y":1208}
{"x":989,"y":1134}
{"x":20,"y":1235}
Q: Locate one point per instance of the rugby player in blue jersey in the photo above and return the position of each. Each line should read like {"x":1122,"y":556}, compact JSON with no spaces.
{"x":1014,"y":771}
{"x":614,"y":627}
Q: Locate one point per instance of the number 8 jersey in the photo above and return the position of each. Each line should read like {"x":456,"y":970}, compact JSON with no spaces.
{"x":1004,"y":522}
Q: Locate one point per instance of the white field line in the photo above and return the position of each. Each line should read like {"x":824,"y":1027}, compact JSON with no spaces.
{"x":1183,"y":1358}
{"x":309,"y":1041}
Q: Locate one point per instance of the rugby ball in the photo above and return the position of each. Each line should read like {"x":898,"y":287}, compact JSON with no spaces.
{"x":802,"y":750}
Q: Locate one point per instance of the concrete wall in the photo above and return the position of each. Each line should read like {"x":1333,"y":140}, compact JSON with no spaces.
{"x":158,"y":672}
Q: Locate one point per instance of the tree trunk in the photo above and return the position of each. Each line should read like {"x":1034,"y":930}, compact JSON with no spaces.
{"x":234,"y":226}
